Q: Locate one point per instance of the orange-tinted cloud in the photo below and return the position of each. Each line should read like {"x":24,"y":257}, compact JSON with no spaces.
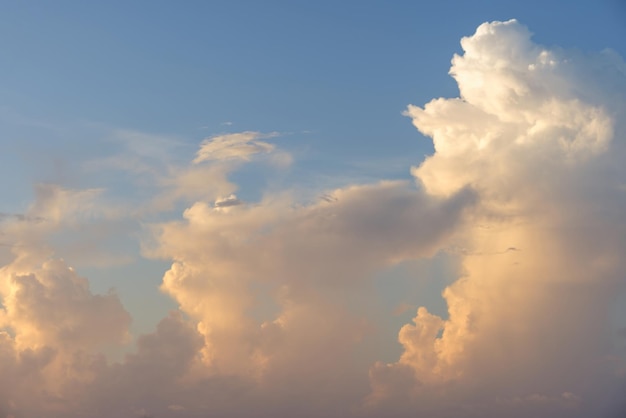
{"x":277,"y":315}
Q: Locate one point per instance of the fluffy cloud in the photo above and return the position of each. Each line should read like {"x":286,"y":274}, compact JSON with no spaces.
{"x":54,"y":329}
{"x":535,"y":140}
{"x":308,"y":261}
{"x":52,"y":305}
{"x":522,"y":107}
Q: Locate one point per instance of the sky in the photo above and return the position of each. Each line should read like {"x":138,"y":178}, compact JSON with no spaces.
{"x":317,"y":209}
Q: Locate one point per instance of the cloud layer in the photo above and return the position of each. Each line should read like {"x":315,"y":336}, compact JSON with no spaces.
{"x":278,"y":314}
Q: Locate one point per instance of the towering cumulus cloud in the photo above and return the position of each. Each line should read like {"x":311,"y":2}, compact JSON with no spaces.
{"x":278,"y":311}
{"x":531,"y":327}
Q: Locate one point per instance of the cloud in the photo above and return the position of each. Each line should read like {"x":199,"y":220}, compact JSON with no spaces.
{"x":225,"y":202}
{"x":305,"y":256}
{"x":277,"y":312}
{"x":156,"y":169}
{"x":81,"y":225}
{"x":53,"y":306}
{"x":234,"y":146}
{"x":52,"y":331}
{"x":539,"y":144}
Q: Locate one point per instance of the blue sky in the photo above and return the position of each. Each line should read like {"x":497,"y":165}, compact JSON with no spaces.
{"x":343,"y":71}
{"x":334,"y":77}
{"x":106,"y":104}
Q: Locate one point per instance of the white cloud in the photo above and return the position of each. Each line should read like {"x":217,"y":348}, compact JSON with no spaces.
{"x":541,"y":147}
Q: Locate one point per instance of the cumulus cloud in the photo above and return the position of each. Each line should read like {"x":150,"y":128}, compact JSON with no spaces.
{"x":52,"y":305}
{"x":53,"y":328}
{"x":305,"y":256}
{"x":277,"y":313}
{"x":541,"y":148}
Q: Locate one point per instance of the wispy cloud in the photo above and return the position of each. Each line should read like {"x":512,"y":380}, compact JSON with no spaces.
{"x":234,"y":146}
